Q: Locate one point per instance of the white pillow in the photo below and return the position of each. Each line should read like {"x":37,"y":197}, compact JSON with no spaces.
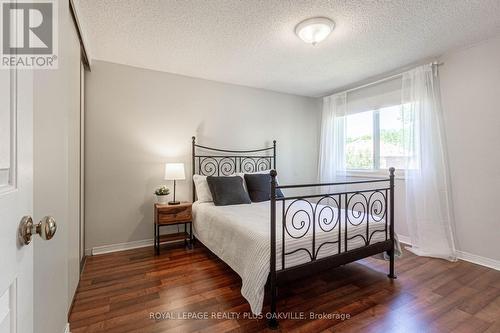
{"x":202,"y":190}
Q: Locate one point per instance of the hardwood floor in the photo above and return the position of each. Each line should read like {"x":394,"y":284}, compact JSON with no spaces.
{"x":119,"y":292}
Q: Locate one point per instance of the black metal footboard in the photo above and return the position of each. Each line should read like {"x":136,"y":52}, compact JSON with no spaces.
{"x":332,"y":221}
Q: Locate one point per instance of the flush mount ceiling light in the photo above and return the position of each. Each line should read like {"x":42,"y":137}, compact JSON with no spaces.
{"x":314,"y":30}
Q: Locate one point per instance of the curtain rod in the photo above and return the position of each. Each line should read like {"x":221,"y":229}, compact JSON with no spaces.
{"x":434,"y":63}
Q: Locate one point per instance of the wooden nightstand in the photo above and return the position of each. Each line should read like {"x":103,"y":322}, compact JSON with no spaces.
{"x":173,"y":215}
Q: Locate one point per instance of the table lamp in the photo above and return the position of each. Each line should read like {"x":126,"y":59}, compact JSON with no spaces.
{"x":174,"y":171}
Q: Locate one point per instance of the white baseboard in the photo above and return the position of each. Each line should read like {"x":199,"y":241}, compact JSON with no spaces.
{"x":66,"y":328}
{"x":404,"y":239}
{"x":475,"y":259}
{"x":466,"y":256}
{"x":121,"y":247}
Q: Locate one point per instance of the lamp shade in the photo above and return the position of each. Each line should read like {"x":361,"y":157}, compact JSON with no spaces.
{"x":174,"y":171}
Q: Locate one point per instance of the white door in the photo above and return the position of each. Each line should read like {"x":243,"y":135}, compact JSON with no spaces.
{"x":16,"y":196}
{"x":16,"y":200}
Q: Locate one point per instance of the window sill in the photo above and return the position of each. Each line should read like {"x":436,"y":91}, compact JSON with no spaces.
{"x":399,"y":174}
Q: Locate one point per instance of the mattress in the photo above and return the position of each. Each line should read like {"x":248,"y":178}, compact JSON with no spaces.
{"x":240,"y":236}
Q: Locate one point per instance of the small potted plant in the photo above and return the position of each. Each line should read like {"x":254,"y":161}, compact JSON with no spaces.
{"x":161,"y":194}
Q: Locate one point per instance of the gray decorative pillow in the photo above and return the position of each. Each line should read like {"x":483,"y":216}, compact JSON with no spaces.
{"x":228,"y":191}
{"x":259,"y":187}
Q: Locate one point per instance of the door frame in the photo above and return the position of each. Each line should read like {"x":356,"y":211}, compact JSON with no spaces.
{"x":84,"y":66}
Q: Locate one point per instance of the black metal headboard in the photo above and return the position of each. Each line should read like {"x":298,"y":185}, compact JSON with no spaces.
{"x":208,"y":161}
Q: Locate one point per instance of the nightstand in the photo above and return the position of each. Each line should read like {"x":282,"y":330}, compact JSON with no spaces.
{"x":173,"y":215}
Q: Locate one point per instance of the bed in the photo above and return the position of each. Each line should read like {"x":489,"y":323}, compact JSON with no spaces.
{"x":272,"y":242}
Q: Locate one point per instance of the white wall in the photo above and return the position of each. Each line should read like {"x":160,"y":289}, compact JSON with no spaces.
{"x":470,"y":89}
{"x":56,"y":109}
{"x":137,"y":119}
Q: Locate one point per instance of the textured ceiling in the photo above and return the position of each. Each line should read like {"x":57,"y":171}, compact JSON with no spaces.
{"x":252,"y":42}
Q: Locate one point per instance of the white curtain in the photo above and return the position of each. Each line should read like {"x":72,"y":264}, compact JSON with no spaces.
{"x":332,"y":144}
{"x":428,"y":195}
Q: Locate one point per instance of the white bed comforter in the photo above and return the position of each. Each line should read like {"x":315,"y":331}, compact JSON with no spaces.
{"x":239,"y":235}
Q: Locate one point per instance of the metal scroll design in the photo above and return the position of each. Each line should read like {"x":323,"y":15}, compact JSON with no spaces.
{"x":377,"y":203}
{"x":332,"y":213}
{"x":355,"y":214}
{"x":229,"y":165}
{"x":255,"y":164}
{"x":365,"y":206}
{"x":328,"y":217}
{"x":216,"y":166}
{"x":302,"y":216}
{"x":302,"y":219}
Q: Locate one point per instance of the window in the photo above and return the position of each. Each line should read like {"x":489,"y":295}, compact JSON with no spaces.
{"x":374,"y":139}
{"x":360,"y":141}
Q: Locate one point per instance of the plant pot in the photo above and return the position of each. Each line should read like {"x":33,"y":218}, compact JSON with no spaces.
{"x":162,"y":199}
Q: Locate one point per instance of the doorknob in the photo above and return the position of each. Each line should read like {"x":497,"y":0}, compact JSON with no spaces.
{"x":46,"y":228}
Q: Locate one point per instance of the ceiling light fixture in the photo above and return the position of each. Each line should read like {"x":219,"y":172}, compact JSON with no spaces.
{"x":314,"y":30}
